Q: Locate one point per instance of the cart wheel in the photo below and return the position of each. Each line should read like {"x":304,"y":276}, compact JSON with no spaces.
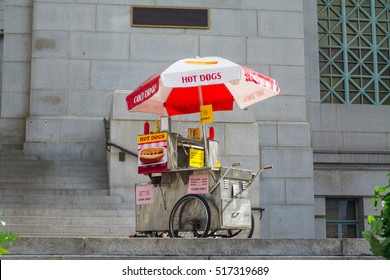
{"x":190,"y":217}
{"x":235,"y":233}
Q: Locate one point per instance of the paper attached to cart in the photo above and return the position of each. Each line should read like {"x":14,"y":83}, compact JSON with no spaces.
{"x":144,"y":194}
{"x":198,"y":184}
{"x":206,"y":114}
{"x":196,"y":158}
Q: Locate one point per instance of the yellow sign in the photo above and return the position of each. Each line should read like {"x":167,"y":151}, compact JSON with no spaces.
{"x":196,"y":158}
{"x":151,"y":138}
{"x":206,"y":114}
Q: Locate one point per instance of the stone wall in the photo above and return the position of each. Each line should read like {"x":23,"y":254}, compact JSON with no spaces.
{"x":15,"y":72}
{"x":2,"y":15}
{"x":350,"y":142}
{"x":261,"y":41}
{"x":82,"y":51}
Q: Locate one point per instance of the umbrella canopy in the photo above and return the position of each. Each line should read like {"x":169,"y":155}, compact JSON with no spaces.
{"x":189,"y":83}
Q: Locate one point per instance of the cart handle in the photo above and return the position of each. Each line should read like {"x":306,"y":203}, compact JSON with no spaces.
{"x":236,"y":164}
{"x":259,"y":172}
{"x":254,"y":178}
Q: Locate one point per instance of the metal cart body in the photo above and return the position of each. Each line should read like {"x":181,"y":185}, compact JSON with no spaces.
{"x":229,"y":201}
{"x":225,"y":189}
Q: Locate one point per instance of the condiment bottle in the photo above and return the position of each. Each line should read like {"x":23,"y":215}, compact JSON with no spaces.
{"x":211,"y":133}
{"x":156,"y":127}
{"x":146,"y":128}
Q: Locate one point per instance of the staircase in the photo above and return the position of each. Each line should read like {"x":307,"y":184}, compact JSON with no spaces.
{"x":59,"y":198}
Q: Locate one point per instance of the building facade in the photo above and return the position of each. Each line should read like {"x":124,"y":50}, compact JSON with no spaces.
{"x":327,"y":133}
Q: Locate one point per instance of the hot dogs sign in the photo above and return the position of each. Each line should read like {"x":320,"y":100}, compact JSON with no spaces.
{"x":152,"y":153}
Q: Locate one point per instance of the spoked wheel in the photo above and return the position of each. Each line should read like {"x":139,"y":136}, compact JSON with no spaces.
{"x":190,"y":217}
{"x":235,"y":233}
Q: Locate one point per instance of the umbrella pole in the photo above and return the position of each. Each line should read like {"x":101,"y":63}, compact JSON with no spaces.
{"x":206,"y":150}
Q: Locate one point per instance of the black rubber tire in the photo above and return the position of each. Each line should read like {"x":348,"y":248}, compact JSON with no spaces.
{"x":190,"y":217}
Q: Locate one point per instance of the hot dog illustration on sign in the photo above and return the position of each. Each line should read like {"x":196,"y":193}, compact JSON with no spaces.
{"x":152,"y":153}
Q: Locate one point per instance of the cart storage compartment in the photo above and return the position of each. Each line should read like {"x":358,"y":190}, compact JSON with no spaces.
{"x":179,"y":151}
{"x":236,"y":213}
{"x":235,"y":202}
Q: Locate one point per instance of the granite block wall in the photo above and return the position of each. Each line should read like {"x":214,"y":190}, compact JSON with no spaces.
{"x":82,"y":51}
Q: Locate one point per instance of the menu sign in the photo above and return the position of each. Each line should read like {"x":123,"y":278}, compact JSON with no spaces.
{"x":198,"y":184}
{"x":144,"y":194}
{"x":196,"y":158}
{"x":152,"y":153}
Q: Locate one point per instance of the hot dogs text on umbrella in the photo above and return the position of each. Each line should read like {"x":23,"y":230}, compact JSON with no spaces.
{"x":188,"y":83}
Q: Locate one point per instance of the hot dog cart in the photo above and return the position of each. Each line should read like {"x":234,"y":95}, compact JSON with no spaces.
{"x":188,"y":194}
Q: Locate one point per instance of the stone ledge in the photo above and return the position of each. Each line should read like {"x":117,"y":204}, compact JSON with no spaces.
{"x":56,"y":247}
{"x":351,"y":157}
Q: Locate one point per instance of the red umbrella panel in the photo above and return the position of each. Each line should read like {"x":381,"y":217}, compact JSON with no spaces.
{"x":186,"y":100}
{"x":189,"y":83}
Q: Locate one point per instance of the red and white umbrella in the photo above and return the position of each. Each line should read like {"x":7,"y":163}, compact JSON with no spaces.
{"x":189,"y":83}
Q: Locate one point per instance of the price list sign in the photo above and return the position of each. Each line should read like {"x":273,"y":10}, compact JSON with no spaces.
{"x":144,"y":194}
{"x":196,"y":158}
{"x":198,"y":184}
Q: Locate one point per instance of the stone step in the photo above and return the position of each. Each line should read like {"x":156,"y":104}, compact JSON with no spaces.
{"x":10,"y":151}
{"x":24,"y":177}
{"x":50,"y":167}
{"x":60,"y":198}
{"x":10,"y":147}
{"x":31,"y":185}
{"x":39,"y":198}
{"x":66,"y":221}
{"x":65,"y":205}
{"x":39,"y":168}
{"x":82,"y":230}
{"x":75,"y":165}
{"x":196,"y":248}
{"x":50,"y":190}
{"x":52,"y":177}
{"x":17,"y":157}
{"x":45,"y":212}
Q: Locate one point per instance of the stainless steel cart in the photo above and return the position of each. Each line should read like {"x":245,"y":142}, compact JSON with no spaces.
{"x":184,"y":201}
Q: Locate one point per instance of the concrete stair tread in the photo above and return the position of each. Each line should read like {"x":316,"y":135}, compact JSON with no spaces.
{"x":6,"y":147}
{"x":4,"y":151}
{"x":73,"y":247}
{"x":54,"y":185}
{"x":15,"y":163}
{"x":66,"y":221}
{"x":17,"y":157}
{"x":48,"y":178}
{"x":65,"y":205}
{"x":15,"y":189}
{"x":38,"y":198}
{"x":65,"y":212}
{"x":63,"y":230}
{"x":60,"y":198}
{"x":51,"y":168}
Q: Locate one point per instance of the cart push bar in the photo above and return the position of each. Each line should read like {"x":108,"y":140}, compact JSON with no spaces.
{"x":259,"y":172}
{"x":237,"y":164}
{"x":253,"y":179}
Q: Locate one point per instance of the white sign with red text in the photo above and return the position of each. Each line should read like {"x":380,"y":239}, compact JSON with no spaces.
{"x":200,"y":71}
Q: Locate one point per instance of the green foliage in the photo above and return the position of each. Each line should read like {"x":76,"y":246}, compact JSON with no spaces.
{"x":6,"y":237}
{"x":379,"y":234}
